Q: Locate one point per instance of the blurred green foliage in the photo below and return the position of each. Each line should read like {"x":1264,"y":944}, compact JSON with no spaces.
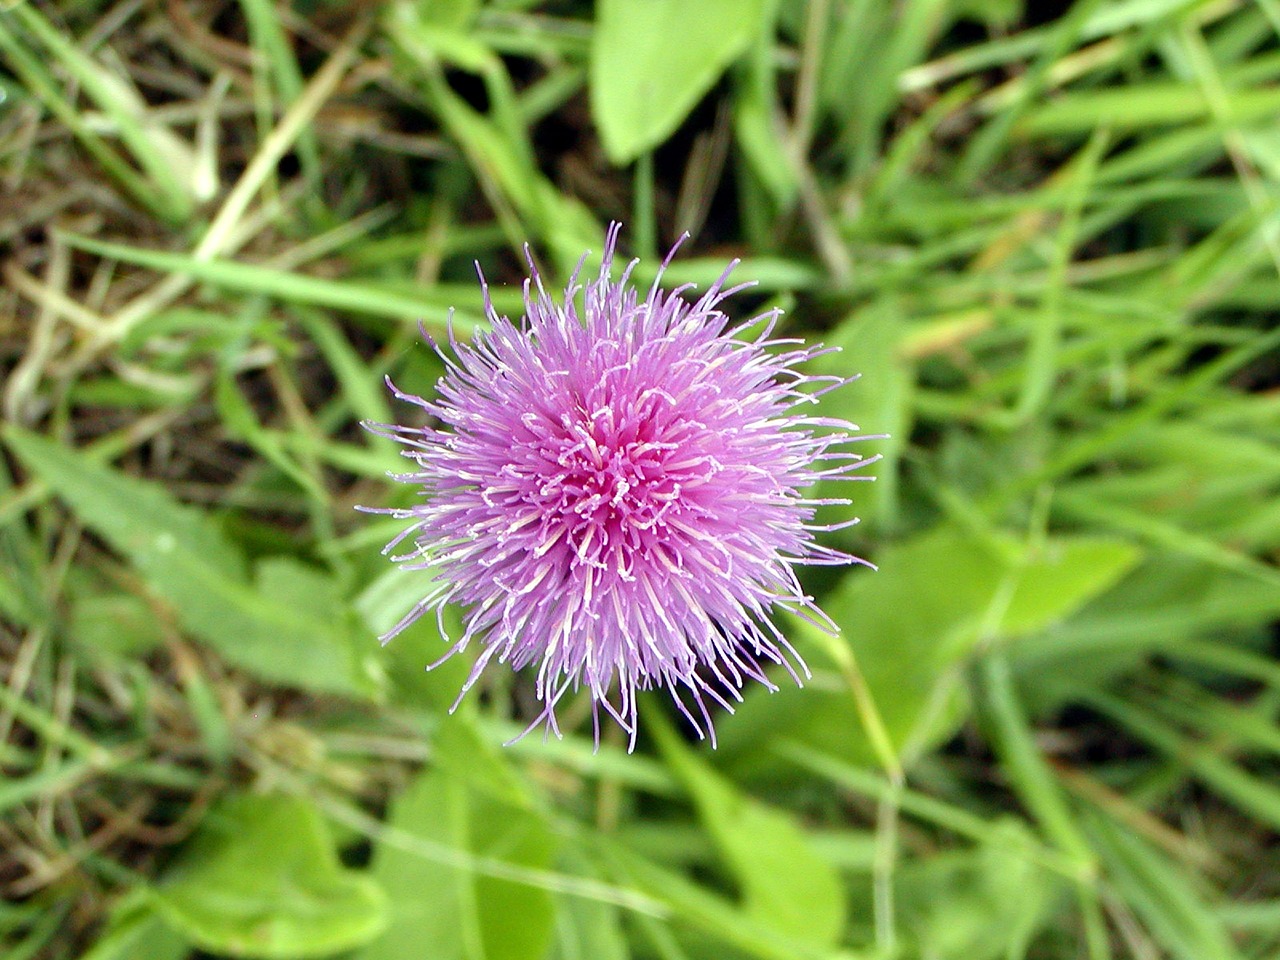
{"x":1045,"y":234}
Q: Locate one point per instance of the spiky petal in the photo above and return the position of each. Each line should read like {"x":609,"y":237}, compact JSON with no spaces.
{"x":615,"y":493}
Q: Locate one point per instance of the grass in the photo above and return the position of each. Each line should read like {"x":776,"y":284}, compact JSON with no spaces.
{"x":1046,"y":234}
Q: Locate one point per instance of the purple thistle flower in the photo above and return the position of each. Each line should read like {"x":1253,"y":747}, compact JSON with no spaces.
{"x":615,"y":493}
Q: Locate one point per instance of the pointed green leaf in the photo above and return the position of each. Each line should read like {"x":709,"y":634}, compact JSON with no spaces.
{"x":262,"y":879}
{"x":287,"y":628}
{"x":471,"y":803}
{"x":134,"y":928}
{"x":652,"y":60}
{"x":910,"y":625}
{"x":785,"y":884}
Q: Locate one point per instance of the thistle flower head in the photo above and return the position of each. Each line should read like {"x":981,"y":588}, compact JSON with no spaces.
{"x":614,"y":491}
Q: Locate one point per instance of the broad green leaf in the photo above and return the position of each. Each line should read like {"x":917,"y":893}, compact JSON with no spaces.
{"x":114,"y":626}
{"x":910,"y":625}
{"x":139,"y":519}
{"x":706,"y":912}
{"x":785,"y":884}
{"x":652,"y":60}
{"x":471,"y":803}
{"x":869,"y":347}
{"x":135,"y":928}
{"x":588,"y":929}
{"x":406,"y":658}
{"x":1066,"y":572}
{"x":262,"y":879}
{"x":332,"y":650}
{"x":288,"y":627}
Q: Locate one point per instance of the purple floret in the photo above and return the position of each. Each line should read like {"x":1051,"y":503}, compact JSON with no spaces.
{"x":617,"y":494}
